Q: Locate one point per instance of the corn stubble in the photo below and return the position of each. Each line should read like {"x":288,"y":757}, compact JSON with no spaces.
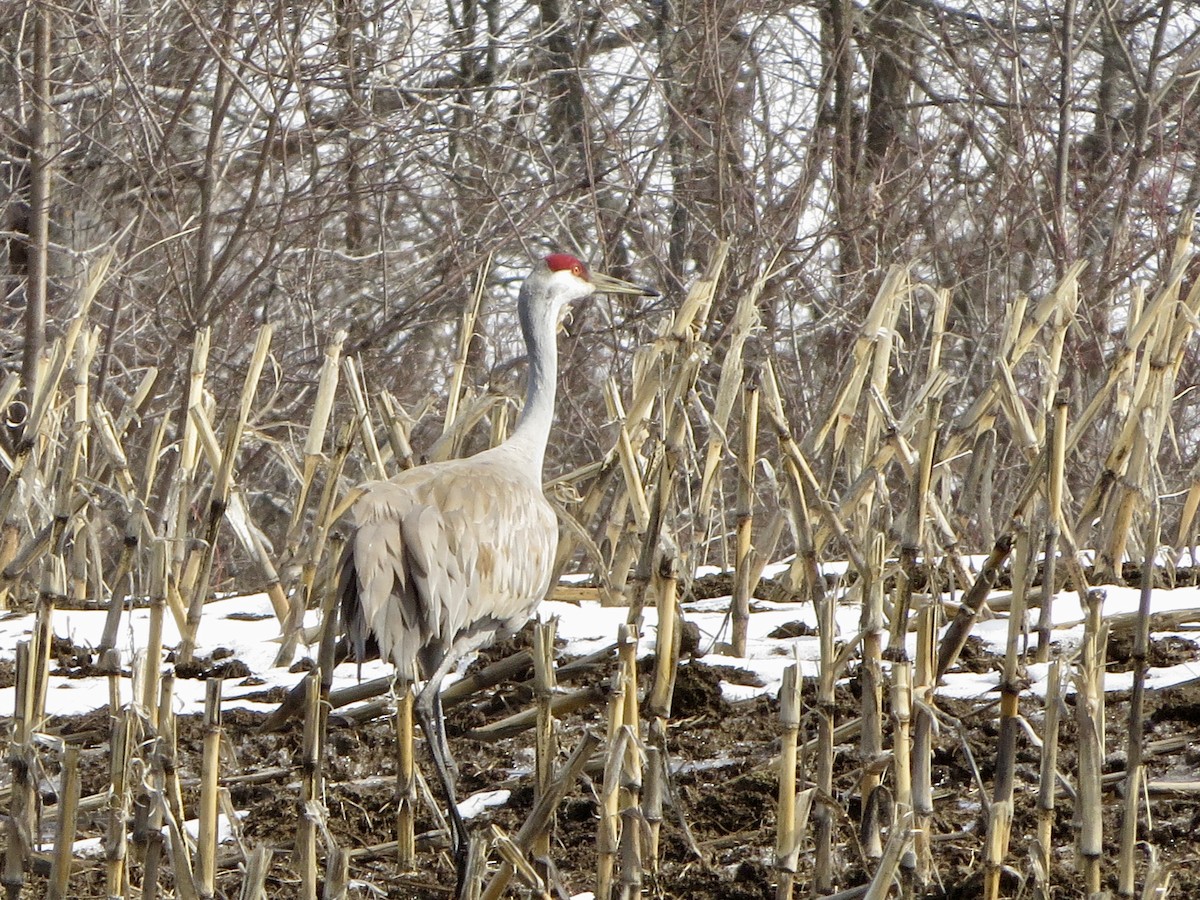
{"x":644,"y":515}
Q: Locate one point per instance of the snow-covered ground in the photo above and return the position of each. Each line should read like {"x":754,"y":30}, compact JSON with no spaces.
{"x":246,"y":626}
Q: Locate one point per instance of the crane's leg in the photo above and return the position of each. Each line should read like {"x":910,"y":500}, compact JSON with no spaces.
{"x":428,"y":708}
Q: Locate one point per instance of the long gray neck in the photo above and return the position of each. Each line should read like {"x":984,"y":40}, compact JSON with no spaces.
{"x":533,"y":427}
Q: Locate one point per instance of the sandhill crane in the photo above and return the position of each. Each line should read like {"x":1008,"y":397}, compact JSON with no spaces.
{"x":448,"y":557}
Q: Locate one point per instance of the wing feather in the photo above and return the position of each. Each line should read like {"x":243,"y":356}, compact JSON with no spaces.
{"x":447,"y":550}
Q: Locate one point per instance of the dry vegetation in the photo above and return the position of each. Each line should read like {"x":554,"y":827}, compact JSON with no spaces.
{"x":869,"y":782}
{"x":929,"y":292}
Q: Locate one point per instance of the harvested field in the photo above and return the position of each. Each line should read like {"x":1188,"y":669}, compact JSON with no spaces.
{"x":859,"y":461}
{"x":723,"y":755}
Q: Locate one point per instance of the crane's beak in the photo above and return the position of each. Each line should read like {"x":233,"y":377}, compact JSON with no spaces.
{"x":606,"y":284}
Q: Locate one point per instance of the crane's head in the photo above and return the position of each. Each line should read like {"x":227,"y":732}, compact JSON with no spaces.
{"x":561,"y":278}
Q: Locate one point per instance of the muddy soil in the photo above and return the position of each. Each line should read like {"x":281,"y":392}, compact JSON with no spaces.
{"x":723,"y":787}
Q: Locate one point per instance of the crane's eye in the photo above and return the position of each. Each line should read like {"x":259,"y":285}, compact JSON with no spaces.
{"x":577,"y":270}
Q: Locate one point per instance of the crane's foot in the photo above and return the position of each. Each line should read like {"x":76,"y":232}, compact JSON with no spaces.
{"x":460,"y":843}
{"x":468,"y":865}
{"x":462,"y":857}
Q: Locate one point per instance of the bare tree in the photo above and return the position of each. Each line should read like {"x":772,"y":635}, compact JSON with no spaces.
{"x":354,"y":166}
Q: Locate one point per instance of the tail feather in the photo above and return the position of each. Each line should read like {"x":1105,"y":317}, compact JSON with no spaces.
{"x":356,"y":631}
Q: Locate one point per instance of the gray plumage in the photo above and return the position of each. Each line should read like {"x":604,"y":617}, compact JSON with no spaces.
{"x":446,"y":552}
{"x":448,"y":557}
